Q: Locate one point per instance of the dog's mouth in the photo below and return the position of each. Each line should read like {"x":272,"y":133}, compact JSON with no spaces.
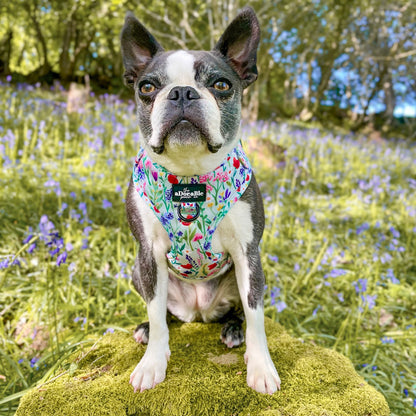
{"x":187,"y":130}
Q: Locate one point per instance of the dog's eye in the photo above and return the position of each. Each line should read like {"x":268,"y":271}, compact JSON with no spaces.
{"x":222,"y":85}
{"x":147,"y":88}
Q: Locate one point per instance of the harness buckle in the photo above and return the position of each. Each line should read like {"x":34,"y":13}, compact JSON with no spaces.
{"x":193,"y":218}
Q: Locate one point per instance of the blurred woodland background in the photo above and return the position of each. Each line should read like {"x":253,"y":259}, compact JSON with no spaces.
{"x":347,"y":63}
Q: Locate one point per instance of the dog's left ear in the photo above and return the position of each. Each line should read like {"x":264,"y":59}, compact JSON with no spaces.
{"x":138,"y":47}
{"x":239,"y":45}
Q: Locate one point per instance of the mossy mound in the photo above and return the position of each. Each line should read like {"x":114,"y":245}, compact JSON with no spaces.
{"x":204,"y":377}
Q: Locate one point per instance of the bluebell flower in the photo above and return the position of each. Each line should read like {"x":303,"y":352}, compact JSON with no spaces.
{"x":360,"y":285}
{"x":336,"y":273}
{"x":31,"y":248}
{"x":281,"y":306}
{"x":315,"y":311}
{"x":107,"y":204}
{"x":33,"y":361}
{"x":396,"y":233}
{"x":61,"y":258}
{"x":28,"y":238}
{"x":369,"y":300}
{"x":275,"y":259}
{"x":4,"y":264}
{"x":313,"y":219}
{"x":362,"y":228}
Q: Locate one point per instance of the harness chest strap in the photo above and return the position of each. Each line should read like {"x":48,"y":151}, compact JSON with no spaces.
{"x":190,"y":209}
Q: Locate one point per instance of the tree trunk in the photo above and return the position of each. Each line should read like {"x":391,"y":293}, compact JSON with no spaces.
{"x":389,"y":98}
{"x":65,"y":67}
{"x":45,"y":66}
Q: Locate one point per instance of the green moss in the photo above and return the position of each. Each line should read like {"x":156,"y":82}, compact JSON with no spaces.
{"x":205,"y":378}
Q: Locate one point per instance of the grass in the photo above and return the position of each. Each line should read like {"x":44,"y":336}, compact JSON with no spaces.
{"x":339,"y":250}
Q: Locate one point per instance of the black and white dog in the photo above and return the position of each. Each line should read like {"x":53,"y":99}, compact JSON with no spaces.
{"x":189,"y":110}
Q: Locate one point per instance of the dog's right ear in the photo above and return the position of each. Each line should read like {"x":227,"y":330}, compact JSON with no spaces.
{"x":138,"y":47}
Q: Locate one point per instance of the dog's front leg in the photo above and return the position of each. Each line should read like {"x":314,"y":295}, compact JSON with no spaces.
{"x":261,"y":372}
{"x":151,"y":369}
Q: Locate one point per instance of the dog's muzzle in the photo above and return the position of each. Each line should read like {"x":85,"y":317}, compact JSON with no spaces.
{"x":185,"y":119}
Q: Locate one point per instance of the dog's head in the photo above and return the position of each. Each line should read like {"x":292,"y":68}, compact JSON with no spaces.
{"x":190,"y":98}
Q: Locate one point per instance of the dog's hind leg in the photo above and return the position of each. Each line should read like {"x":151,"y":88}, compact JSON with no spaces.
{"x":141,"y":333}
{"x":232,"y":334}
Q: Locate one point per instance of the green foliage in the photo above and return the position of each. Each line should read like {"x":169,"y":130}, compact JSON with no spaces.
{"x":338,"y":250}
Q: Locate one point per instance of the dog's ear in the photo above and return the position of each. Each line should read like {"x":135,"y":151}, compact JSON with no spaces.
{"x":138,"y":47}
{"x":239,"y":45}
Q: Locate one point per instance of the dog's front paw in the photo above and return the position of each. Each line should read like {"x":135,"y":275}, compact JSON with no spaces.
{"x":262,"y":375}
{"x":150,"y":371}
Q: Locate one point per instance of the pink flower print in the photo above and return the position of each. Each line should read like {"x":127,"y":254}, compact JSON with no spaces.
{"x":200,"y":258}
{"x":225,"y":177}
{"x":149,"y":164}
{"x":209,"y":188}
{"x":198,"y":236}
{"x":206,"y":178}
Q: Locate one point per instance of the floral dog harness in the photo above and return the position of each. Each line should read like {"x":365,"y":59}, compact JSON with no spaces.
{"x":191,"y":207}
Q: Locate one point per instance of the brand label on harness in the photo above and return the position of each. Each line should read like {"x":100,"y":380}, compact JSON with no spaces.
{"x":190,"y":192}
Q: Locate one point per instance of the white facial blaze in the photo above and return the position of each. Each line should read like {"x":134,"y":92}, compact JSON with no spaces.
{"x":180,"y":69}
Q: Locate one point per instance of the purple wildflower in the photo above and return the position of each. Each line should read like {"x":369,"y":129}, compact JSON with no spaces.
{"x":61,"y":258}
{"x":362,"y":228}
{"x":360,"y":285}
{"x":336,"y":273}
{"x":274,"y":259}
{"x":107,"y":204}
{"x":369,"y":300}
{"x":33,"y":361}
{"x":4,"y":264}
{"x":281,"y":306}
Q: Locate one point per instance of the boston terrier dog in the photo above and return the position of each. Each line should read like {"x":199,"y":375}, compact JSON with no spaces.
{"x":193,"y":202}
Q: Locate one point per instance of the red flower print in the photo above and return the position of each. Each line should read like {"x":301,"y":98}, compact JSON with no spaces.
{"x":198,"y":236}
{"x":173,"y":179}
{"x":236,"y":163}
{"x":186,"y":266}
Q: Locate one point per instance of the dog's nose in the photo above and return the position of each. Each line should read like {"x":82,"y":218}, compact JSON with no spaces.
{"x":183,"y":96}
